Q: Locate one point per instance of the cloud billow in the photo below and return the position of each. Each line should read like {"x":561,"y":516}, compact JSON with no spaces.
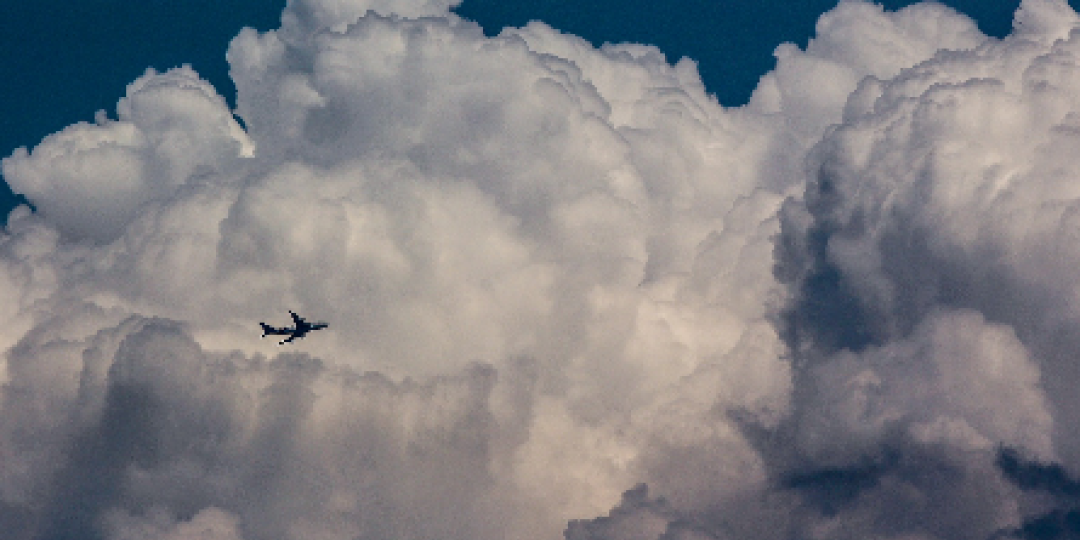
{"x":568,"y":293}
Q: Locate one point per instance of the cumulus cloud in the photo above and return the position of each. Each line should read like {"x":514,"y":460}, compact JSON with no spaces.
{"x":568,"y":293}
{"x":92,"y":180}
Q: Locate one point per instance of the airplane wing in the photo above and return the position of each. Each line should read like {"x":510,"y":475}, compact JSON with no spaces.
{"x":272,"y":330}
{"x":297,"y":320}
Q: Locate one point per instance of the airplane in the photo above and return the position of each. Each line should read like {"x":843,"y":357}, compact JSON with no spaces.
{"x":299,"y":329}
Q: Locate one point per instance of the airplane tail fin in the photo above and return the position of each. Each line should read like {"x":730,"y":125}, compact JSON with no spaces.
{"x":267,"y":329}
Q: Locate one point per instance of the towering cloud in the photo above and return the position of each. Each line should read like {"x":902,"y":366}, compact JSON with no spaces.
{"x":569,"y":294}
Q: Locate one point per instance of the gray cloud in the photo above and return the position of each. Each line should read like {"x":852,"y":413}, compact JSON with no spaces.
{"x":562,"y":283}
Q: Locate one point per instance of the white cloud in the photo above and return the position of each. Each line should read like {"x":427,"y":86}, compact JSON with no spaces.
{"x":956,"y":380}
{"x":950,"y":188}
{"x":548,"y":271}
{"x":91,"y":180}
{"x":855,"y":40}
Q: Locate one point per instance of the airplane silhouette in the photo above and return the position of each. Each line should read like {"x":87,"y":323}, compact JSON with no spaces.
{"x":299,"y":329}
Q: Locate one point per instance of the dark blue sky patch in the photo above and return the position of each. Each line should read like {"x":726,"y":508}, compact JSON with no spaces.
{"x":732,"y":40}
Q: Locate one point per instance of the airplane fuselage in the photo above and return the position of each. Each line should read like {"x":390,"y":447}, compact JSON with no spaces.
{"x":299,"y":329}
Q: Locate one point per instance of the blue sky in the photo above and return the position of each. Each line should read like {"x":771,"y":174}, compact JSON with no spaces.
{"x":66,"y":60}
